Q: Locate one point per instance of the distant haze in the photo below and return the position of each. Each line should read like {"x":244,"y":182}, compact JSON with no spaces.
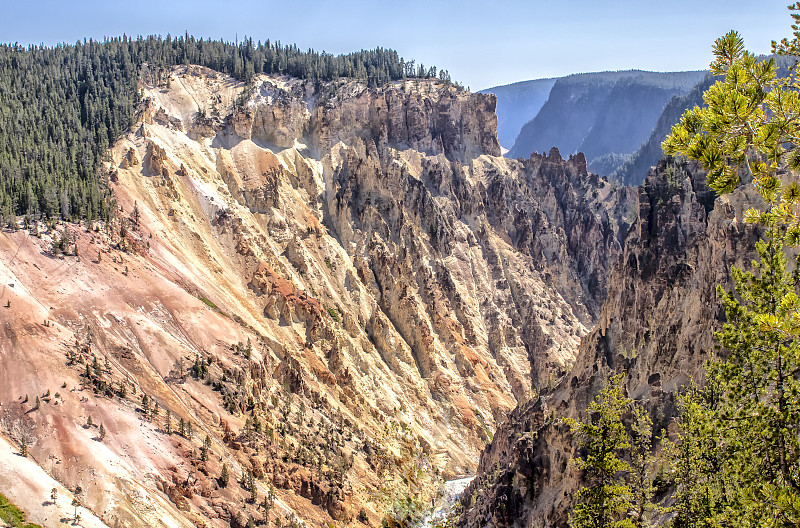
{"x":481,"y":46}
{"x":517,"y":104}
{"x":605,"y":115}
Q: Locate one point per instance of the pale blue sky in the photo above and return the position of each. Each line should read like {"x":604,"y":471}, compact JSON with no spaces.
{"x":483,"y":44}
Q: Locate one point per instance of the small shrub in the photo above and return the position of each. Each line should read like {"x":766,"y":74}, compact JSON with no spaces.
{"x":334,"y":313}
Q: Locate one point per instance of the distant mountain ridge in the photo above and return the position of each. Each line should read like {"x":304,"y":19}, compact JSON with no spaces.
{"x":605,"y":115}
{"x":518,"y":103}
{"x":633,"y":170}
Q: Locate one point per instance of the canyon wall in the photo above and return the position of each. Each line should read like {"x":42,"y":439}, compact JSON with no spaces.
{"x":656,"y":325}
{"x":340,"y":292}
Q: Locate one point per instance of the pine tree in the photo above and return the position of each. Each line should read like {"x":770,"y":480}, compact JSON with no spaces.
{"x":250,"y":484}
{"x":642,"y":461}
{"x":102,"y":433}
{"x":145,"y":405}
{"x":96,"y":368}
{"x":738,"y":456}
{"x":606,"y":499}
{"x":749,"y":124}
{"x":224,"y":477}
{"x":742,"y":430}
{"x":266,"y":505}
{"x":696,"y":461}
{"x":135,"y":215}
{"x":204,"y":449}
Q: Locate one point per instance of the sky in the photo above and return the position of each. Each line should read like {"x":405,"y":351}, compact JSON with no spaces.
{"x":482,"y":44}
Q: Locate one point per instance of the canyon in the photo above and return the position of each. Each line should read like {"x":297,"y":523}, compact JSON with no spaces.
{"x":336,"y":293}
{"x":656,"y":326}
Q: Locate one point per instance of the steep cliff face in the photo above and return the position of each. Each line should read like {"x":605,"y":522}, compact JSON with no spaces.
{"x":344,"y":288}
{"x":421,"y":116}
{"x":656,"y":325}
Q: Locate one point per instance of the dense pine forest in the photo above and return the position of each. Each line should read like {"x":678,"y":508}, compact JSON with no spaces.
{"x":62,"y":107}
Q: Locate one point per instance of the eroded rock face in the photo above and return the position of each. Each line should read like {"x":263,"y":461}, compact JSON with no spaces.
{"x":461,"y":250}
{"x":155,"y":159}
{"x":428,"y":118}
{"x":365,"y":285}
{"x":656,"y":325}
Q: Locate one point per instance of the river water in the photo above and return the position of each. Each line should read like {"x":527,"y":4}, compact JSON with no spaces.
{"x":451,"y":491}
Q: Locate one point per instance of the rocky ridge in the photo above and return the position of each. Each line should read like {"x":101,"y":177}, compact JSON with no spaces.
{"x":340,"y":287}
{"x":656,"y":325}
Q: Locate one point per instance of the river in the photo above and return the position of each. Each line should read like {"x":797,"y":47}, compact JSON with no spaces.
{"x":451,"y":491}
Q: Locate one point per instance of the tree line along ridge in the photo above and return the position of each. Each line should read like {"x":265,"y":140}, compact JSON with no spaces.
{"x":63,"y":106}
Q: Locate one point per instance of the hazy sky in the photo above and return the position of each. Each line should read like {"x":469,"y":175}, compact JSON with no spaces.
{"x":482,"y":44}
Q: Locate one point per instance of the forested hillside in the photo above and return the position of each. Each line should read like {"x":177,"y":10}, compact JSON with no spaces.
{"x":62,"y":107}
{"x":634,"y":169}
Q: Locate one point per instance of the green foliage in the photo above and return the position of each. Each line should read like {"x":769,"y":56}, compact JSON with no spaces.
{"x":737,"y":459}
{"x":749,"y":127}
{"x":250,"y":486}
{"x":61,"y":107}
{"x":642,"y":462}
{"x":743,"y":124}
{"x":618,"y":464}
{"x":205,"y":448}
{"x":208,"y":302}
{"x":200,"y":367}
{"x":224,"y":476}
{"x":696,"y":460}
{"x":9,"y":512}
{"x":674,"y":174}
{"x":12,"y":515}
{"x":602,"y":439}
